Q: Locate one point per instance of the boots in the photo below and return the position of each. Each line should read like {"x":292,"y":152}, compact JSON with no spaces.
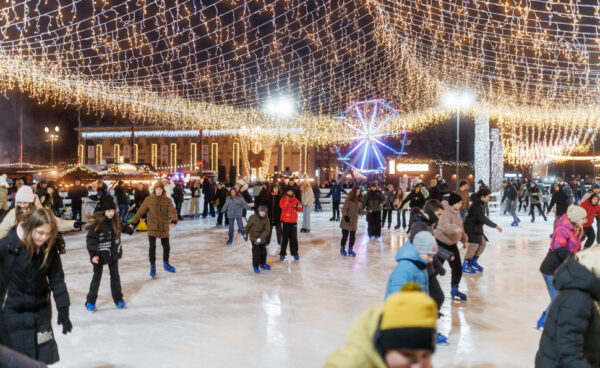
{"x":457,"y":294}
{"x":152,"y":271}
{"x":467,"y":268}
{"x":476,"y":265}
{"x":343,"y":252}
{"x":168,"y":267}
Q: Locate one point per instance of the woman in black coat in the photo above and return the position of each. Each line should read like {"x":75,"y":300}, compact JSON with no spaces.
{"x":571,"y":336}
{"x":272,"y":202}
{"x":30,"y":268}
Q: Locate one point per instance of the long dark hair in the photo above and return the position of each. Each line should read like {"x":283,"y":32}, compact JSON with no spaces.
{"x":99,"y":219}
{"x":355,"y":194}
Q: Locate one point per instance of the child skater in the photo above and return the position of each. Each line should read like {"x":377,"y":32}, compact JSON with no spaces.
{"x":234,"y":208}
{"x":290,"y":206}
{"x":104,"y":246}
{"x":352,"y":208}
{"x":258,"y":228}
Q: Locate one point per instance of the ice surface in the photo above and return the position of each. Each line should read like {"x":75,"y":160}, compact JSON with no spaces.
{"x":216,"y":312}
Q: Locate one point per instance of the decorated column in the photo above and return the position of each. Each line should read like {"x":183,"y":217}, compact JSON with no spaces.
{"x":482,"y":149}
{"x":497,"y":160}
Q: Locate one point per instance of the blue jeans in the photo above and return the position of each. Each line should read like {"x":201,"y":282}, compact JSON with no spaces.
{"x":511,"y":209}
{"x":123,"y":212}
{"x":551,"y":289}
{"x":463,"y":215}
{"x":239,"y":223}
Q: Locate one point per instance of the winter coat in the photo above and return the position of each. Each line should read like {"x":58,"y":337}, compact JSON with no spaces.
{"x":178,"y":195}
{"x":434,"y":193}
{"x":565,"y":241}
{"x":75,"y":193}
{"x":420,"y":220}
{"x":410,"y":268}
{"x":571,"y":336}
{"x":296,"y":189}
{"x":335,"y":192}
{"x":10,"y":220}
{"x":208,"y":189}
{"x":510,"y":193}
{"x":448,"y":222}
{"x":561,"y":200}
{"x":534,"y":195}
{"x":159,"y":213}
{"x":352,"y":209}
{"x":388,"y":200}
{"x":475,"y":220}
{"x":26,"y":311}
{"x":464,"y":194}
{"x":258,"y":227}
{"x":359,"y":350}
{"x":308,"y":197}
{"x":140,"y":196}
{"x":274,"y":211}
{"x":414,"y":200}
{"x":195,"y":192}
{"x":235,"y":207}
{"x":53,"y":203}
{"x":398,"y":201}
{"x":13,"y":359}
{"x":122,"y":195}
{"x":104,"y":243}
{"x":290,"y":206}
{"x":41,"y":192}
{"x":591,"y":212}
{"x":373,"y":200}
{"x":221,"y":196}
{"x":587,"y":196}
{"x":580,"y":190}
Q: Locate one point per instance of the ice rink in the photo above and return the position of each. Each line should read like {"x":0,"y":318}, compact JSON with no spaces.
{"x":216,"y":312}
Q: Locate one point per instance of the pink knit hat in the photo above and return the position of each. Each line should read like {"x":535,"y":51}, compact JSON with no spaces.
{"x":25,"y":194}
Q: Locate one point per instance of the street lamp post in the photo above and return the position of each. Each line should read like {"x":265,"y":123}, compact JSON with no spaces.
{"x":281,"y":107}
{"x":52,"y":137}
{"x":458,"y":100}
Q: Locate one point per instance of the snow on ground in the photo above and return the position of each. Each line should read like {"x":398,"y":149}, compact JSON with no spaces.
{"x":216,"y":312}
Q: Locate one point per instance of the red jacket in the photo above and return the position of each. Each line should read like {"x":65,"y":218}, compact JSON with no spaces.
{"x":289,"y":211}
{"x":592,"y":211}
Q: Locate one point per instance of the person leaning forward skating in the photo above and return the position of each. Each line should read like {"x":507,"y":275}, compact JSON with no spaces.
{"x":160,"y":214}
{"x":257,"y":230}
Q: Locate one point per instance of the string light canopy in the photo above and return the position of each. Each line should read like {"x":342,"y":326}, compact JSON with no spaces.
{"x":199,"y":64}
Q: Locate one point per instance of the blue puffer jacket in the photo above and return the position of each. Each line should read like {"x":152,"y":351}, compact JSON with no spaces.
{"x":410,"y":268}
{"x":336,"y":193}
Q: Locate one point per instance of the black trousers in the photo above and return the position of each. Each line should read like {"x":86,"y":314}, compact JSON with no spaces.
{"x":318,"y":204}
{"x":336,"y":210}
{"x":388,"y":214}
{"x":206,"y":205}
{"x":455,"y":265}
{"x":221,"y":215}
{"x":115,"y":283}
{"x":345,"y":234}
{"x":539,"y":207}
{"x":166,"y":249}
{"x":290,"y":234}
{"x":435,"y":291}
{"x":76,"y":208}
{"x":374,"y":223}
{"x":178,"y":206}
{"x":590,"y":236}
{"x":277,"y":233}
{"x":259,"y":255}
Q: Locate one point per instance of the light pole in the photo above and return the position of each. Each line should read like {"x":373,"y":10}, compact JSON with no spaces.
{"x":52,"y":136}
{"x":458,"y":100}
{"x":281,"y":107}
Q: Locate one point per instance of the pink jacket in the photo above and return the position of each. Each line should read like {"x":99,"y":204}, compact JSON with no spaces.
{"x":446,"y":228}
{"x":565,"y":235}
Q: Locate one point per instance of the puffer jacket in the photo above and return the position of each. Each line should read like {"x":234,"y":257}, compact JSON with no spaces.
{"x":571,"y":337}
{"x":475,"y":221}
{"x":159,"y":213}
{"x":104,"y":243}
{"x":359,"y":350}
{"x":258,"y":227}
{"x":335,"y":192}
{"x":410,"y":268}
{"x":534,"y":195}
{"x":235,"y":207}
{"x":388,"y":200}
{"x":352,"y":209}
{"x":272,"y":202}
{"x":561,"y":199}
{"x":373,"y":200}
{"x":290,"y":206}
{"x":448,"y":222}
{"x":25,"y":310}
{"x":566,"y":240}
{"x":591,"y":211}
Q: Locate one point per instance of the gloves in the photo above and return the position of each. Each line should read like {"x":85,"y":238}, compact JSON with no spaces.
{"x":296,"y":205}
{"x":63,"y":319}
{"x":347,"y":218}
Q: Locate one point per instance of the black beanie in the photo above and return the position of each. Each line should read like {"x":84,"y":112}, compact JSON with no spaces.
{"x":454,"y":199}
{"x":108,"y":203}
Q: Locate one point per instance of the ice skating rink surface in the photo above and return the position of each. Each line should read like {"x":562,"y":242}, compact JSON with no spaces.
{"x":216,"y":312}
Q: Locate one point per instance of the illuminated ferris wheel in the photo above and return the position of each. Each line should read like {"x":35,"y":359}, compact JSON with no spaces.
{"x":368,"y":119}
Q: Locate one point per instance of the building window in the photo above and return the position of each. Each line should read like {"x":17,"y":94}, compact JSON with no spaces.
{"x":214,"y":156}
{"x":173,"y":157}
{"x":116,"y":153}
{"x":236,"y":158}
{"x":193,"y":156}
{"x":154,"y":155}
{"x":98,"y":154}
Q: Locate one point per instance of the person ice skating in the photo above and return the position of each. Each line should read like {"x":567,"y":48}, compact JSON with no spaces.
{"x":317,"y":192}
{"x":571,"y":336}
{"x":510,"y":196}
{"x":335,"y":192}
{"x":434,"y":190}
{"x":30,"y":268}
{"x":257,"y":230}
{"x":373,"y":203}
{"x":195,"y":201}
{"x":463,"y":192}
{"x":308,"y":197}
{"x":52,"y":201}
{"x":220,"y":199}
{"x":208,"y":190}
{"x":178,"y":197}
{"x":399,"y":334}
{"x":274,"y":210}
{"x":476,"y":239}
{"x":104,"y":246}
{"x":160,"y":214}
{"x":389,"y":195}
{"x":448,"y":233}
{"x":579,"y":191}
{"x":592,"y":209}
{"x":141,"y":192}
{"x":534,"y":196}
{"x":566,"y":240}
{"x":76,"y":193}
{"x":398,"y":200}
{"x":350,"y":211}
{"x":561,"y":199}
{"x":412,"y":259}
{"x":234,"y":208}
{"x":290,"y":206}
{"x":523,"y":199}
{"x":123,"y":199}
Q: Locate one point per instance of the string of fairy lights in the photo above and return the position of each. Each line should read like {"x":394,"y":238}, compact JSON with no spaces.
{"x":213,"y":65}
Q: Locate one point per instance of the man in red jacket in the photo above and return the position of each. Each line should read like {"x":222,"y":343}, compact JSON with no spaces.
{"x":592,"y":210}
{"x":290,"y":206}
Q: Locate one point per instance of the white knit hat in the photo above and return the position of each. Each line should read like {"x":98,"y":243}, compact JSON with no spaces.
{"x":590,"y":258}
{"x":425,"y":243}
{"x":575,"y":213}
{"x":25,"y":194}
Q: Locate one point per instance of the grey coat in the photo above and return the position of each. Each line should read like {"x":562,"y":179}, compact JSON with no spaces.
{"x":351,"y":209}
{"x":235,"y":207}
{"x":388,"y":201}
